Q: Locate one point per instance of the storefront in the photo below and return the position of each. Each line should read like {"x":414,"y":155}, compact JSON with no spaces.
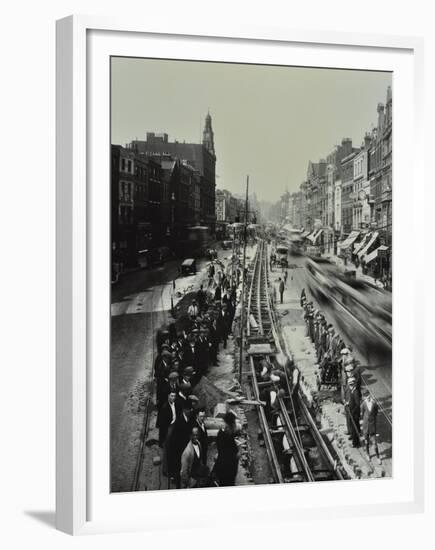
{"x":345,"y":248}
{"x":377,"y":262}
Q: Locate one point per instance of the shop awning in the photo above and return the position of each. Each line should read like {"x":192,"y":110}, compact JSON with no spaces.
{"x":373,"y":238}
{"x":351,"y":238}
{"x":314,"y":235}
{"x":310,"y":236}
{"x":359,"y":246}
{"x":317,"y":235}
{"x":377,"y":252}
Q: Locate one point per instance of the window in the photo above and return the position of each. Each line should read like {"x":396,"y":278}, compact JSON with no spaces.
{"x":129,"y":166}
{"x":122,"y":164}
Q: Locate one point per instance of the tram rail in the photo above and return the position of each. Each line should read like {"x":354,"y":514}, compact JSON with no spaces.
{"x":296,"y":449}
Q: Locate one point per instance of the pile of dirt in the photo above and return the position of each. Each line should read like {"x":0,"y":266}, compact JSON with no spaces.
{"x":210,"y":395}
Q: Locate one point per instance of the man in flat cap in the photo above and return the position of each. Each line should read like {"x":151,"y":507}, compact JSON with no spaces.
{"x":369,"y":412}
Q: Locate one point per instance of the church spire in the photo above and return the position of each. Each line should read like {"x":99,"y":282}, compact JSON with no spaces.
{"x":207,"y":135}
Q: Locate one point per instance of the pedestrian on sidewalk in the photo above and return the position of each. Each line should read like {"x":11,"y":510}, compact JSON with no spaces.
{"x":272,"y":294}
{"x":353,"y":412}
{"x":281,"y":289}
{"x":285,"y":277}
{"x":369,"y":413}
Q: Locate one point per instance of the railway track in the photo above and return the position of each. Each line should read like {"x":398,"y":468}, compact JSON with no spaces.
{"x":296,"y":449}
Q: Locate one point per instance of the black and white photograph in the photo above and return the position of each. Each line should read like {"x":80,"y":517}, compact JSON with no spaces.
{"x":251,"y":274}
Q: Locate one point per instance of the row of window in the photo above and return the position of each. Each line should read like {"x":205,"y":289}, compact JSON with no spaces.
{"x":126,"y":165}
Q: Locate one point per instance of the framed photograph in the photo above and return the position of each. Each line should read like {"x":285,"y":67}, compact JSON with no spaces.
{"x":237,"y":313}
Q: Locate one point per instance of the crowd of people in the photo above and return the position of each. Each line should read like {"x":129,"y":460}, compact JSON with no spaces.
{"x":186,"y":350}
{"x":337,"y":365}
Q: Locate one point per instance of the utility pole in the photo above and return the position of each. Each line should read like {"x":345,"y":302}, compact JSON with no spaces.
{"x":242,"y":301}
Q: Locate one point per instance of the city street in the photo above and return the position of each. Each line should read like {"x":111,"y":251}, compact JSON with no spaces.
{"x":308,"y":402}
{"x":138,"y":309}
{"x":375,"y":362}
{"x":141,"y":304}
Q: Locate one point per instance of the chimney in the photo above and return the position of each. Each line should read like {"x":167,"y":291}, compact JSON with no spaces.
{"x":389,"y":95}
{"x":380,"y":117}
{"x":346,"y":144}
{"x":367,"y":141}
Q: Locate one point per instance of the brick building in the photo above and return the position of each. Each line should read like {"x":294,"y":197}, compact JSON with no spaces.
{"x":200,"y":157}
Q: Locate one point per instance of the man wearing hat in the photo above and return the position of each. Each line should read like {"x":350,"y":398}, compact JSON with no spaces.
{"x":323,"y":337}
{"x":162,"y":361}
{"x":203,"y":434}
{"x":344,"y":354}
{"x":202,"y":352}
{"x":353,"y":411}
{"x":317,"y":330}
{"x":225,"y":325}
{"x":189,"y":350}
{"x":309,"y":320}
{"x":162,"y":337}
{"x":194,"y":403}
{"x":190,"y":376}
{"x":170,"y":384}
{"x":178,"y":440}
{"x":183,"y":394}
{"x":369,"y":411}
{"x":214,"y":339}
{"x":351,"y":370}
{"x":167,"y":417}
{"x":162,"y":367}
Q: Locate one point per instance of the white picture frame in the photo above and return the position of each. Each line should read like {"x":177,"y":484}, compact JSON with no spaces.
{"x":82,"y":505}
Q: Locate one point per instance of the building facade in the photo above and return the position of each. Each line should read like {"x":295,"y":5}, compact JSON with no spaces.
{"x":347,"y":172}
{"x":361,"y":216}
{"x":200,"y":156}
{"x":349,"y":195}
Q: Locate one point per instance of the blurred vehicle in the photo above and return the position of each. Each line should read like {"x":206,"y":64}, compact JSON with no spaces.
{"x":227,"y":245}
{"x":294,"y":239}
{"x":363,"y":311}
{"x":149,"y":258}
{"x":319,"y":282}
{"x":196,"y":243}
{"x":188,"y":266}
{"x":281,"y":255}
{"x":312,"y":252}
{"x":296,"y":247}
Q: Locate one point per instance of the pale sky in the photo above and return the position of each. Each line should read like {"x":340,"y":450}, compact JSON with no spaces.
{"x":268,"y":121}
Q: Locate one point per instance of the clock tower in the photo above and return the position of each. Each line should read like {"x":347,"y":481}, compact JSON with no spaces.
{"x":208,"y":136}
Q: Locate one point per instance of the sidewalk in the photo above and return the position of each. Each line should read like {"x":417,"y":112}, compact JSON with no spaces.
{"x":331,"y":414}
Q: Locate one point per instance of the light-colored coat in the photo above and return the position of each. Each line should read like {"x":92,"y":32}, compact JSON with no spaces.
{"x":187,"y":459}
